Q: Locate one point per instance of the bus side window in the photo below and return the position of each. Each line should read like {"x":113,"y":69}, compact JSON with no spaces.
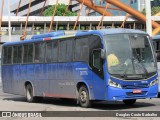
{"x":97,"y":61}
{"x":28,"y":53}
{"x":9,"y":59}
{"x":62,"y":51}
{"x":19,"y":57}
{"x":66,"y":50}
{"x":81,"y":50}
{"x":94,"y":43}
{"x":15,"y":54}
{"x":55,"y":51}
{"x":51,"y":51}
{"x":25,"y":53}
{"x":158,"y":56}
{"x":157,"y":49}
{"x":39,"y":52}
{"x":5,"y":52}
{"x":154,"y":45}
{"x":69,"y":50}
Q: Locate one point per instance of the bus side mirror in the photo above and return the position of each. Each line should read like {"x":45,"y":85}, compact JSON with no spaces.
{"x":103,"y":53}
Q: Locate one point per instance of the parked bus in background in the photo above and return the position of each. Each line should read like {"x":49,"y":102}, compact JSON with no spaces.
{"x":111,"y":64}
{"x":156,"y":44}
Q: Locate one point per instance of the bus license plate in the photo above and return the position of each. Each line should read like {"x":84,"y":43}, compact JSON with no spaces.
{"x":137,"y":91}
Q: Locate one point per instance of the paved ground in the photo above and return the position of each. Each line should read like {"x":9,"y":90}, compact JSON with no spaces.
{"x":17,"y":103}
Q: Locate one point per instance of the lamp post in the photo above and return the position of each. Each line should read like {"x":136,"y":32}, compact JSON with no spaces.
{"x":148,"y":17}
{"x":1,"y":15}
{"x":9,"y":21}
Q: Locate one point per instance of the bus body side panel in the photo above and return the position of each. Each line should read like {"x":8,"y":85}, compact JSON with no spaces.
{"x":54,"y":80}
{"x":99,"y":87}
{"x":62,"y":82}
{"x":40,"y":82}
{"x":7,"y":78}
{"x":83,"y":74}
{"x":22,"y":74}
{"x":52,"y":77}
{"x":64,"y":77}
{"x":17,"y":80}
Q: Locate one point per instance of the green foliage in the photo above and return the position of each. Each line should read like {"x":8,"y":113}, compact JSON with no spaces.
{"x":144,"y":11}
{"x":59,"y":11}
{"x":154,"y":10}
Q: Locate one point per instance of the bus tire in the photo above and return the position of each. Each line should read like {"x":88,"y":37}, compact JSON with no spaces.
{"x":83,"y":97}
{"x":29,"y":93}
{"x":129,"y":102}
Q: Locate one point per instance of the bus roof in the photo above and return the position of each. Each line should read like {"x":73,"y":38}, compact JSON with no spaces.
{"x":121,"y":30}
{"x":157,"y":37}
{"x":61,"y":34}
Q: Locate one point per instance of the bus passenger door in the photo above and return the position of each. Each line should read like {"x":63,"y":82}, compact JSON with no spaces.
{"x":98,"y":75}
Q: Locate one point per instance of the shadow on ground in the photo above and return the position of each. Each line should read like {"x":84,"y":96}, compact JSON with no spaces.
{"x":117,"y":105}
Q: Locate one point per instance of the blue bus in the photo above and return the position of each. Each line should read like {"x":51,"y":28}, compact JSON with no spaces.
{"x":156,"y":44}
{"x":94,"y":65}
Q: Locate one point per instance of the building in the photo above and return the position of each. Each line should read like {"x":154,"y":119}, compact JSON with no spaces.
{"x":155,"y":3}
{"x":141,"y":5}
{"x":136,"y":4}
{"x":132,"y":3}
{"x":76,"y":7}
{"x":36,"y":6}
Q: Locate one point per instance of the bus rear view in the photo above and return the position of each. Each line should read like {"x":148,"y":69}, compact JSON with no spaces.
{"x":97,"y":65}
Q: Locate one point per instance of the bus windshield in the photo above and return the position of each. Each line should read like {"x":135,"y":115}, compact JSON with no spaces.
{"x":129,"y":54}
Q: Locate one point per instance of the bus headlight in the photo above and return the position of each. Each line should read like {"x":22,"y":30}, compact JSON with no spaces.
{"x":114,"y":84}
{"x":154,"y":82}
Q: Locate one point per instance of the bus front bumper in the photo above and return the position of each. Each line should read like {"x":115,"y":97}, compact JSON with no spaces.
{"x":123,"y":94}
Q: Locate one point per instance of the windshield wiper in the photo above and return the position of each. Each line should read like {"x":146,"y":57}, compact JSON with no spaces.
{"x":127,"y":66}
{"x":132,"y":60}
{"x":139,"y":61}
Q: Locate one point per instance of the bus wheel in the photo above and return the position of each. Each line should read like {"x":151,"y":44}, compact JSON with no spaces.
{"x":129,"y":102}
{"x":84,"y":97}
{"x":29,"y":93}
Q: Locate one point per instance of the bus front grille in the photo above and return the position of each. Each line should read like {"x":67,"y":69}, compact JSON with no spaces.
{"x":134,"y":87}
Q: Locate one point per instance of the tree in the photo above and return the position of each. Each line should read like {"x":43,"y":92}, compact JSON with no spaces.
{"x":154,"y":10}
{"x":144,"y":11}
{"x":59,"y":11}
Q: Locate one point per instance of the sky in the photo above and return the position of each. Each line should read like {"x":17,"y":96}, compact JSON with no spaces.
{"x":5,"y":9}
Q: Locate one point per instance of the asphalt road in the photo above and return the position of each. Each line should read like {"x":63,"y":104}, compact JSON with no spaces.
{"x":18,"y":103}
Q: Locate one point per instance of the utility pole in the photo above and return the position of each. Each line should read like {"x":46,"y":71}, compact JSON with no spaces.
{"x":1,"y":15}
{"x":148,"y":17}
{"x":9,"y":21}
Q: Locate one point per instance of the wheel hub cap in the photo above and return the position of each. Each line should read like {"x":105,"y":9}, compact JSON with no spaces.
{"x":83,"y":96}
